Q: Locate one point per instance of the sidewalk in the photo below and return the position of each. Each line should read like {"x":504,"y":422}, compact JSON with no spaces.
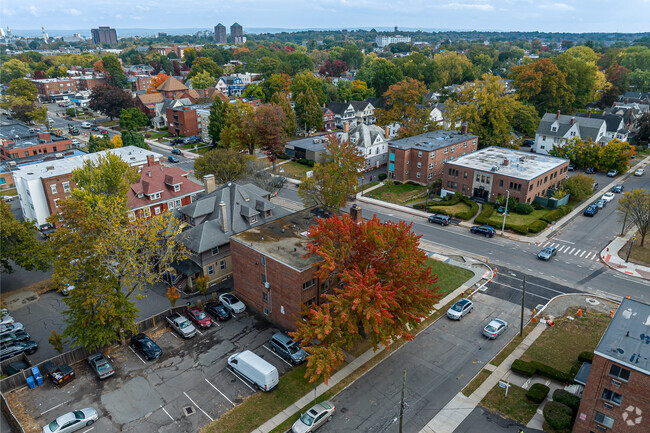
{"x":610,"y":256}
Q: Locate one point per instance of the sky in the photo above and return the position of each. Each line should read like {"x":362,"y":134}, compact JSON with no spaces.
{"x":575,"y":16}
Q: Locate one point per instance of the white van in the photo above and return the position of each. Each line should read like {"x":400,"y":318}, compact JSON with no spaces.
{"x":255,"y":369}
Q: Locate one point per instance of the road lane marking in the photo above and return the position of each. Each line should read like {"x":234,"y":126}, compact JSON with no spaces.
{"x":643,"y":283}
{"x":58,"y":405}
{"x":572,"y":250}
{"x":576,"y":253}
{"x":528,"y":283}
{"x":136,"y":354}
{"x":217,"y":389}
{"x":242,"y":380}
{"x":566,"y":242}
{"x":559,"y":250}
{"x":170,"y":417}
{"x":204,"y":413}
{"x":583,"y":253}
{"x":528,"y":293}
{"x":278,"y":356}
{"x":589,"y":254}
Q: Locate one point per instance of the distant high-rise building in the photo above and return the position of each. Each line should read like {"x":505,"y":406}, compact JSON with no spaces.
{"x":220,"y":36}
{"x":237,"y":34}
{"x":104,"y":35}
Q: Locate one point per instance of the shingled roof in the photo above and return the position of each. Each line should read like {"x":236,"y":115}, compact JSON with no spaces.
{"x":171,"y":84}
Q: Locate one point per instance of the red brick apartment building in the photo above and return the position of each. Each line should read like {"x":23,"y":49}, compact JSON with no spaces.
{"x":617,"y":392}
{"x":270,"y":272}
{"x":494,"y":171}
{"x":37,"y":144}
{"x":421,"y":158}
{"x":48,"y":87}
{"x":184,"y":120}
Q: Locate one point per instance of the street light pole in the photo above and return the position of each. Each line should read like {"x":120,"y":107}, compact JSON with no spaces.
{"x":503,"y":226}
{"x":630,"y":251}
{"x":362,"y":179}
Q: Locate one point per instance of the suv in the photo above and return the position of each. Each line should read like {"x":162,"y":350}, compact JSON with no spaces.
{"x":591,"y":210}
{"x":440,"y":219}
{"x":287,"y":348}
{"x":176,"y":141}
{"x":487,"y":231}
{"x":176,"y":152}
{"x":460,"y":308}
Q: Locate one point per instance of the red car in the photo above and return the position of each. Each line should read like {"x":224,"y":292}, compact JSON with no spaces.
{"x":199,"y":317}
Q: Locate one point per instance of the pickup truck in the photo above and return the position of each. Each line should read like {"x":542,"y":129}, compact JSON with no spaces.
{"x":181,"y":325}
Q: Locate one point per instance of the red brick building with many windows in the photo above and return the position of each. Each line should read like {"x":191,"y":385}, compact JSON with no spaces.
{"x":48,"y":87}
{"x":617,"y":391}
{"x":421,"y":158}
{"x":160,"y":189}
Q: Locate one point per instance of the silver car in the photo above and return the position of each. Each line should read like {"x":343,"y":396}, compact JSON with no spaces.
{"x":547,"y":253}
{"x":495,"y":328}
{"x":460,"y":308}
{"x":72,"y":421}
{"x":315,"y":417}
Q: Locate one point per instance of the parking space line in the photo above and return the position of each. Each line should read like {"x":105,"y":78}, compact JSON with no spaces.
{"x":86,"y":431}
{"x":58,"y":405}
{"x":200,"y":333}
{"x":198,"y":406}
{"x":217,"y":389}
{"x":136,"y":354}
{"x":278,"y":356}
{"x":242,"y":380}
{"x":174,"y":334}
{"x":170,"y":417}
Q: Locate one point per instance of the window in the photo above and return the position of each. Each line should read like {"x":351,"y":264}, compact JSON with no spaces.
{"x":56,"y":202}
{"x":308,"y":284}
{"x":464,"y":175}
{"x":417,"y":174}
{"x":453,"y":148}
{"x":146,"y":212}
{"x":432,"y":155}
{"x":178,"y":202}
{"x":612,"y":397}
{"x":446,"y":150}
{"x":619,"y":372}
{"x":253,"y":219}
{"x":66,"y":186}
{"x":419,"y":155}
{"x":157,"y":210}
{"x":177,"y":188}
{"x":263,"y":260}
{"x":430,"y":165}
{"x":430,"y":175}
{"x":154,"y":196}
{"x":603,"y":419}
{"x":170,"y":204}
{"x":215,"y":251}
{"x":419,"y":165}
{"x":465,"y":145}
{"x":53,"y":188}
{"x":131,"y":216}
{"x":222,"y":265}
{"x":265,"y":297}
{"x":211,"y":270}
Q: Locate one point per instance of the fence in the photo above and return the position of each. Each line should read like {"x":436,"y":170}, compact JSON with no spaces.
{"x":11,"y":418}
{"x":552,"y":203}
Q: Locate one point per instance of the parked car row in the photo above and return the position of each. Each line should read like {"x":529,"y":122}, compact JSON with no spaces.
{"x":14,"y":340}
{"x":465,"y":306}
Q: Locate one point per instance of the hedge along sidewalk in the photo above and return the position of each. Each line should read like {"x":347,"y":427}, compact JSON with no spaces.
{"x":358,"y":362}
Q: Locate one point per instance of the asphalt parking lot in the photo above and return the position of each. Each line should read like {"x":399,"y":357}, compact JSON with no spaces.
{"x":182,"y":391}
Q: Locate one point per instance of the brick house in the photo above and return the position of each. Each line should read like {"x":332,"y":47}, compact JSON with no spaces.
{"x":160,"y":189}
{"x":270,"y":272}
{"x":617,"y":390}
{"x":143,"y":82}
{"x":26,"y":142}
{"x":48,"y":87}
{"x":328,"y":119}
{"x":493,"y":171}
{"x":183,"y":120}
{"x":421,"y":158}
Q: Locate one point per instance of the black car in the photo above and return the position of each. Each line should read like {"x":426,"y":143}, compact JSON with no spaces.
{"x":528,"y":143}
{"x":571,"y":167}
{"x":591,"y":210}
{"x":14,"y":336}
{"x":16,"y":348}
{"x":487,"y":231}
{"x":218,"y":311}
{"x":618,"y":188}
{"x":146,"y":346}
{"x":590,"y":170}
{"x":176,"y":141}
{"x":172,"y":158}
{"x":440,"y":219}
{"x":176,"y":152}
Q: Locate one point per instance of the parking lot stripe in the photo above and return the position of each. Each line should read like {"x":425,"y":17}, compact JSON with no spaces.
{"x":200,"y":333}
{"x":86,"y":431}
{"x":136,"y":354}
{"x":170,"y":417}
{"x":198,"y":406}
{"x":174,"y":334}
{"x":58,"y":405}
{"x":242,"y":380}
{"x":217,"y":389}
{"x":278,"y":356}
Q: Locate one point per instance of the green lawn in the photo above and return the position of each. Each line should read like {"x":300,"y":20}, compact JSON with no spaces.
{"x":293,"y":169}
{"x":397,"y":193}
{"x":514,"y":218}
{"x":366,"y":185}
{"x":449,"y":277}
{"x":516,"y":406}
{"x":160,"y":135}
{"x":639,"y":254}
{"x":497,"y":360}
{"x":476,"y":382}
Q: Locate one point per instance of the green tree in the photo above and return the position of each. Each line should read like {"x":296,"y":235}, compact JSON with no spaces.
{"x":542,"y":84}
{"x":189,"y":55}
{"x":132,"y":138}
{"x":227,"y":165}
{"x":453,"y":68}
{"x":636,"y":204}
{"x":525,"y":119}
{"x":205,"y":64}
{"x":640,"y":80}
{"x":202,"y":80}
{"x":615,"y":155}
{"x":254,"y":91}
{"x":267,"y":66}
{"x":216,"y":119}
{"x":238,"y":132}
{"x":580,"y":186}
{"x":581,"y":76}
{"x":308,"y":111}
{"x":97,"y":143}
{"x":22,"y":88}
{"x":281,"y":99}
{"x":307,"y":80}
{"x":581,"y":153}
{"x":12,"y":69}
{"x":132,"y":118}
{"x":299,"y":62}
{"x":19,"y":245}
{"x":380,"y":74}
{"x":352,"y":56}
{"x":27,"y":110}
{"x":402,"y":106}
{"x":635,"y":58}
{"x":114,"y":70}
{"x":275,"y":83}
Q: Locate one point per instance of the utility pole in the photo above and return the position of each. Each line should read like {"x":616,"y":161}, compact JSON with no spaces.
{"x":523,"y":301}
{"x":630,"y":251}
{"x":401,"y":406}
{"x":505,"y":214}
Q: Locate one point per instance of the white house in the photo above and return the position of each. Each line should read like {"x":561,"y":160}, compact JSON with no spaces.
{"x":557,"y":129}
{"x":364,"y":112}
{"x":370,"y":141}
{"x":343,"y":112}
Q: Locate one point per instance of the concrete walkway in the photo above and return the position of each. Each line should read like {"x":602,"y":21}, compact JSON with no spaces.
{"x":610,"y":257}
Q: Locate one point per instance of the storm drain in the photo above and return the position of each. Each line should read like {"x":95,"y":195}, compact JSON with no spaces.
{"x":189,"y":410}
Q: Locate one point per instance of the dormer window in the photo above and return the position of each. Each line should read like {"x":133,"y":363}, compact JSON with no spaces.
{"x":154,"y":196}
{"x":177,"y":188}
{"x":253,"y":219}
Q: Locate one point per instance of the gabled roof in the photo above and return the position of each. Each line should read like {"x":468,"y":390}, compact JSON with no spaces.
{"x":339,"y":107}
{"x":360,"y":105}
{"x":614,"y":122}
{"x":587,"y":127}
{"x":155,"y":178}
{"x":171,"y":84}
{"x":150,"y":98}
{"x":364,"y":135}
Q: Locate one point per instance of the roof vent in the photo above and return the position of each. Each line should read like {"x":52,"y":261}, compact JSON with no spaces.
{"x":494,"y":168}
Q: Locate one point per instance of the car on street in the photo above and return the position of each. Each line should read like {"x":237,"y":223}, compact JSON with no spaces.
{"x":547,"y":253}
{"x":443,"y":220}
{"x":591,"y":210}
{"x":172,"y":158}
{"x":46,"y":229}
{"x":612,"y":173}
{"x":618,"y":188}
{"x":198,"y":317}
{"x":176,"y":152}
{"x":5,"y":318}
{"x":608,"y":196}
{"x":176,"y":141}
{"x":460,"y":308}
{"x":571,"y":167}
{"x":11,"y":349}
{"x":314,"y":418}
{"x":100,"y":365}
{"x":231,"y":302}
{"x":14,"y":336}
{"x":639,"y":172}
{"x":146,"y":346}
{"x":487,"y":231}
{"x":600,"y":203}
{"x":86,"y":125}
{"x":218,"y":311}
{"x":590,"y":170}
{"x":72,"y":421}
{"x":94,"y":128}
{"x":9,"y":328}
{"x":283,"y":345}
{"x":495,"y":328}
{"x":75,"y":142}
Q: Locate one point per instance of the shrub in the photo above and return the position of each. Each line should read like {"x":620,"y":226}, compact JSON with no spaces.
{"x":557,"y":214}
{"x":535,"y":367}
{"x":537,"y":206}
{"x":557,"y":415}
{"x":586,"y":357}
{"x":522,"y":367}
{"x":524,"y":209}
{"x":566,"y":398}
{"x":537,"y":393}
{"x":382,"y":176}
{"x":522,"y":230}
{"x":410,"y":182}
{"x":484,"y":216}
{"x":468,"y":214}
{"x":147,"y":135}
{"x":537,"y":226}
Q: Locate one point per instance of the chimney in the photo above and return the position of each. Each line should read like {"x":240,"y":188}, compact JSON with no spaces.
{"x":573,"y":120}
{"x":355,"y":212}
{"x":209,"y":183}
{"x":557,"y":115}
{"x":463,"y":128}
{"x":151,"y":160}
{"x":506,"y":162}
{"x":224,"y":217}
{"x":346,"y":126}
{"x":387,"y":132}
{"x":589,"y":114}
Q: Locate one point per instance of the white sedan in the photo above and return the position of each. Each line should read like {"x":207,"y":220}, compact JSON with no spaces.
{"x":72,"y":421}
{"x":638,"y":172}
{"x":608,"y":196}
{"x":232,"y":303}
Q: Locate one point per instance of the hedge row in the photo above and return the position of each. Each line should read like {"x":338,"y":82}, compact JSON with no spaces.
{"x":558,"y":415}
{"x":537,"y":393}
{"x":586,"y":357}
{"x":456,"y":198}
{"x":307,"y":162}
{"x":535,"y":367}
{"x":566,"y":398}
{"x":537,"y":226}
{"x":557,"y":214}
{"x":484,"y":217}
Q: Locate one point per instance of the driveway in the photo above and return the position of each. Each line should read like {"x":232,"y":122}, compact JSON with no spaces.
{"x":184,"y":390}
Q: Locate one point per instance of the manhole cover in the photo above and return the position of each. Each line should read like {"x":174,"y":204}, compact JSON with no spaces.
{"x":592,"y":301}
{"x":189,"y":410}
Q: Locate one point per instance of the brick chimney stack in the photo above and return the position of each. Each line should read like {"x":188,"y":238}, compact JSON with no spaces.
{"x":209,"y":183}
{"x":346,"y":126}
{"x":589,"y":113}
{"x":355,"y":212}
{"x":573,"y":120}
{"x":387,"y":132}
{"x":224,"y":217}
{"x":463,"y":128}
{"x":151,"y":160}
{"x":557,"y":115}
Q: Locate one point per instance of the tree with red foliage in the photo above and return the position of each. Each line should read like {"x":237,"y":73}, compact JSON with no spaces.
{"x":333,"y":69}
{"x":268,"y":127}
{"x":157,"y":81}
{"x":39,"y":75}
{"x":379,"y":284}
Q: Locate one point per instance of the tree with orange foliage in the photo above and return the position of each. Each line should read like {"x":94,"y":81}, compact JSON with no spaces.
{"x":379,"y":284}
{"x":157,"y":81}
{"x":98,"y":66}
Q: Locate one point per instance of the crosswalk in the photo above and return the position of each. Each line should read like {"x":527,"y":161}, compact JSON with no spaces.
{"x":568,"y":249}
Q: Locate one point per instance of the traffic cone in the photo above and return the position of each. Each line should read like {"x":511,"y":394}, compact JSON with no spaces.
{"x":579,"y":312}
